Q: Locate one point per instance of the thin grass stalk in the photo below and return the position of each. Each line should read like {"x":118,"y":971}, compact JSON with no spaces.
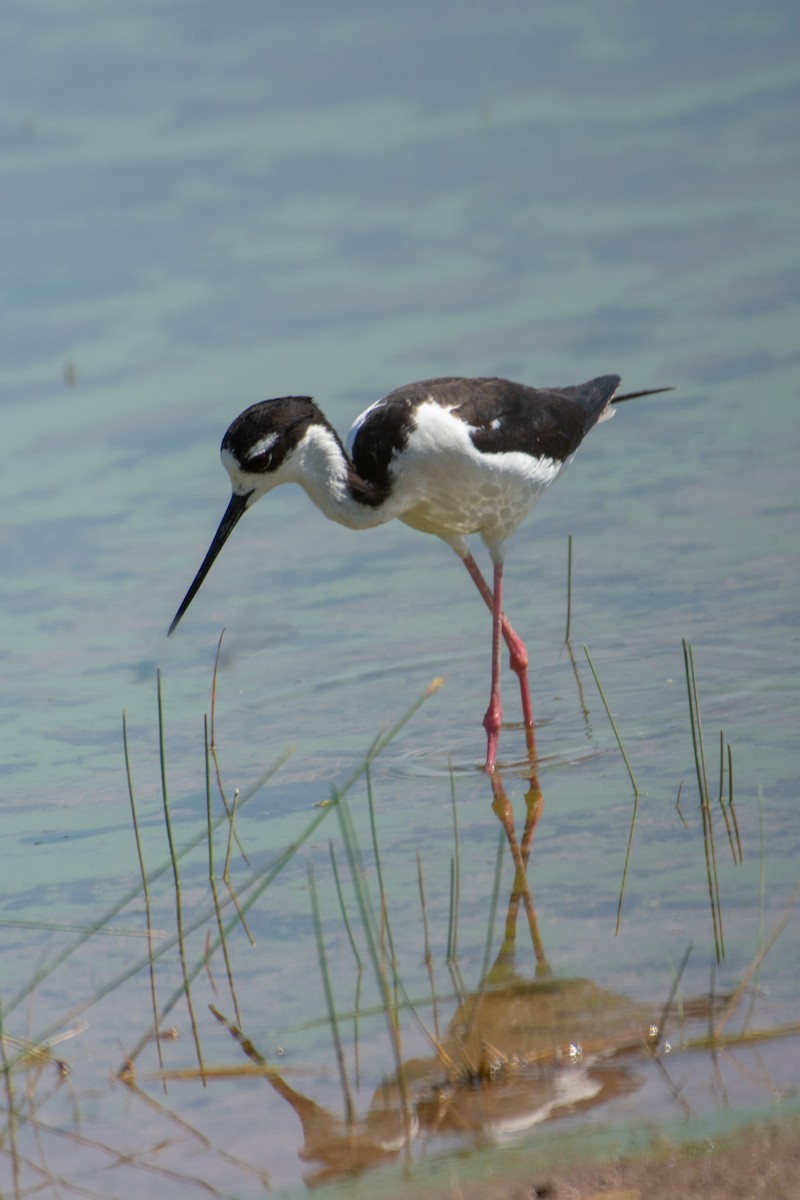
{"x":36,"y":1124}
{"x":498,"y":873}
{"x":457,"y":978}
{"x":226,"y":873}
{"x":175,"y":872}
{"x":253,"y":890}
{"x":694,"y":713}
{"x":259,"y":882}
{"x":635,"y":812}
{"x":451,"y":911}
{"x":428,"y":957}
{"x":356,"y":1040}
{"x":258,"y":886}
{"x":145,"y":888}
{"x":262,"y":880}
{"x":192,"y":1183}
{"x":212,"y":881}
{"x":343,"y":907}
{"x":584,"y":707}
{"x":675,"y":1092}
{"x":452,"y":950}
{"x":683,"y":820}
{"x":762,"y":895}
{"x":167,"y":1117}
{"x":11,"y":1107}
{"x":712,"y":991}
{"x":368,"y":921}
{"x":720,"y":797}
{"x":625,"y":759}
{"x":115,"y":909}
{"x":750,"y":1037}
{"x":487,"y":949}
{"x":705,"y":802}
{"x":731,"y":809}
{"x":569,"y":587}
{"x":372,"y":926}
{"x":627,"y":863}
{"x":673,"y":991}
{"x":752,"y":971}
{"x":388,"y":944}
{"x":349,"y":1107}
{"x":217,"y":770}
{"x":732,"y":842}
{"x":231,"y":832}
{"x":385,"y":923}
{"x":209,"y":814}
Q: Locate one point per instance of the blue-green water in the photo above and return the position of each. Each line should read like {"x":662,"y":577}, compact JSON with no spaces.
{"x":202,"y":206}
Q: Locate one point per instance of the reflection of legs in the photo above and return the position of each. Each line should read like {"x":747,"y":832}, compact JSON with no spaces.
{"x":518,"y":655}
{"x":505,"y":814}
{"x":534,"y":803}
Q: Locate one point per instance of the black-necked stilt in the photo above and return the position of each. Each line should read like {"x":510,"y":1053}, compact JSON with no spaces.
{"x":446,"y":456}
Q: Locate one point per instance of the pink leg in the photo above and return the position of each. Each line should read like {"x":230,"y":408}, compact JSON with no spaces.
{"x":494,"y":713}
{"x":518,"y":655}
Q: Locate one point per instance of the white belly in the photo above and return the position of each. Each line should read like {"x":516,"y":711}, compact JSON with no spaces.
{"x":451,"y":489}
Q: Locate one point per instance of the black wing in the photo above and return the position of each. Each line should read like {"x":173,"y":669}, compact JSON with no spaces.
{"x":543,"y":422}
{"x":503,"y":416}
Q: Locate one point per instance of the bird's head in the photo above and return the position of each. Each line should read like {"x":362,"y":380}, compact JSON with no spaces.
{"x":258,"y":448}
{"x":257,"y":451}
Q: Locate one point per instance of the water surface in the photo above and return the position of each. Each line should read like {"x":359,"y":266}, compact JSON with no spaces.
{"x":200,"y":209}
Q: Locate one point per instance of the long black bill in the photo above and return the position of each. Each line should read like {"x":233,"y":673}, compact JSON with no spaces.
{"x":636,"y":395}
{"x":234,"y":510}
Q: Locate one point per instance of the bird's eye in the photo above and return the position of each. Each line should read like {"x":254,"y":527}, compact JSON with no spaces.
{"x":259,"y":456}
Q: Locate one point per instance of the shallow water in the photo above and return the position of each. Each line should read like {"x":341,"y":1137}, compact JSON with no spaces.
{"x":199,"y":211}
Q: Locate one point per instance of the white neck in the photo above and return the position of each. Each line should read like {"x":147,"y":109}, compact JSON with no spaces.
{"x":321,"y":467}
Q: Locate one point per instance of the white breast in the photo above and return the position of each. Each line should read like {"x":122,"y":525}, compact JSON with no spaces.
{"x":451,"y":489}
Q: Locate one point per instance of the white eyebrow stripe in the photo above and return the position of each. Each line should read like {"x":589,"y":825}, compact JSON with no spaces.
{"x":262,"y":446}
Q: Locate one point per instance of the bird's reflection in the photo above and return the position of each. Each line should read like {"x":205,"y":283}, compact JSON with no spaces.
{"x":520,"y":856}
{"x":518,"y":1051}
{"x":525,"y":1053}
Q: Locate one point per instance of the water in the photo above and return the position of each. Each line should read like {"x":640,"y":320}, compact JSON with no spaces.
{"x":200,"y":210}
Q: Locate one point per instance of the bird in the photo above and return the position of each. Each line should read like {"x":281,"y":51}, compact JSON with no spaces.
{"x":450,"y":456}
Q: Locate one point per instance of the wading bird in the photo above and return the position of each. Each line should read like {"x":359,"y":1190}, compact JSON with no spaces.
{"x":447,"y":456}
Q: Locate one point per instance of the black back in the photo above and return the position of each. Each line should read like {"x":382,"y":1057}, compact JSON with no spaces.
{"x":503,"y":416}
